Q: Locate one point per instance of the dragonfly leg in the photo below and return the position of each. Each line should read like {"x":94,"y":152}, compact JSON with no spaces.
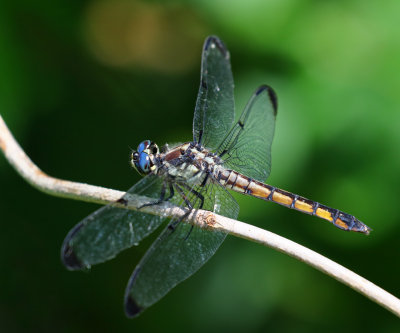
{"x":171,"y":192}
{"x":172,"y":226}
{"x":162,"y":196}
{"x":189,"y":232}
{"x":184,"y":197}
{"x":199,"y":196}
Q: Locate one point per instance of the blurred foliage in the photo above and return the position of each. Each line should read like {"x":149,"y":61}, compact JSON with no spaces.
{"x":82,"y":81}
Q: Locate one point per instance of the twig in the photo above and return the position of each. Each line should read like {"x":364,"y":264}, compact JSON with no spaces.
{"x":79,"y":191}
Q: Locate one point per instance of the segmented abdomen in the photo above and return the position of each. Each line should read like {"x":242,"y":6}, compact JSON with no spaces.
{"x":245,"y":185}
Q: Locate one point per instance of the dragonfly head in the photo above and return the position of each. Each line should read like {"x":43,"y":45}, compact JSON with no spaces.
{"x":143,"y":158}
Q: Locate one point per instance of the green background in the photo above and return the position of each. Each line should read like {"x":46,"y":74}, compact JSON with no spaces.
{"x":82,"y":81}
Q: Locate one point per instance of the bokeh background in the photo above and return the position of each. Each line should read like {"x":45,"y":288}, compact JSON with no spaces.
{"x":83,"y":81}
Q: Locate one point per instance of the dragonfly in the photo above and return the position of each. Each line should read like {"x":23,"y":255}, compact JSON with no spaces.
{"x":224,"y":155}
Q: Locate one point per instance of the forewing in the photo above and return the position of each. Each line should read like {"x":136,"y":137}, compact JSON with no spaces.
{"x":214,"y":113}
{"x":247,"y":147}
{"x":109,"y":230}
{"x":177,"y":253}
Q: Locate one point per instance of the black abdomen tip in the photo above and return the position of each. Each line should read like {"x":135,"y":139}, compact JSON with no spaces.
{"x":361,"y":227}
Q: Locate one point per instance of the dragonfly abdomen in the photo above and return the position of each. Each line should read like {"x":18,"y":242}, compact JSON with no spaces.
{"x":245,"y":185}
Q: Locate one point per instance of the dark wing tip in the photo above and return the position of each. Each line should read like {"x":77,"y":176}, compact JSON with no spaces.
{"x":70,"y":260}
{"x":214,"y":41}
{"x":272,"y":96}
{"x":132,"y":309}
{"x":68,"y":256}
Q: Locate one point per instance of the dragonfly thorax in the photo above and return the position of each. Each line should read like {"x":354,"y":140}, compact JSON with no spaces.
{"x":188,"y":162}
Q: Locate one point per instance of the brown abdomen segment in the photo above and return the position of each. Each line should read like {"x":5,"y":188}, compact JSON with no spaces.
{"x":242,"y":184}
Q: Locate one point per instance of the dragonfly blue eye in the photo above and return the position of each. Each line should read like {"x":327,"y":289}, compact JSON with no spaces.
{"x":141,"y":159}
{"x":143,"y":145}
{"x":144,"y":163}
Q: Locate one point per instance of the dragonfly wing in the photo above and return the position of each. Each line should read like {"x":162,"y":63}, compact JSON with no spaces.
{"x":214,"y":113}
{"x":177,"y":253}
{"x":109,"y":230}
{"x":247,"y":147}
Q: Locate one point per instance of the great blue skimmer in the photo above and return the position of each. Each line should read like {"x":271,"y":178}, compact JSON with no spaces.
{"x":224,"y":155}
